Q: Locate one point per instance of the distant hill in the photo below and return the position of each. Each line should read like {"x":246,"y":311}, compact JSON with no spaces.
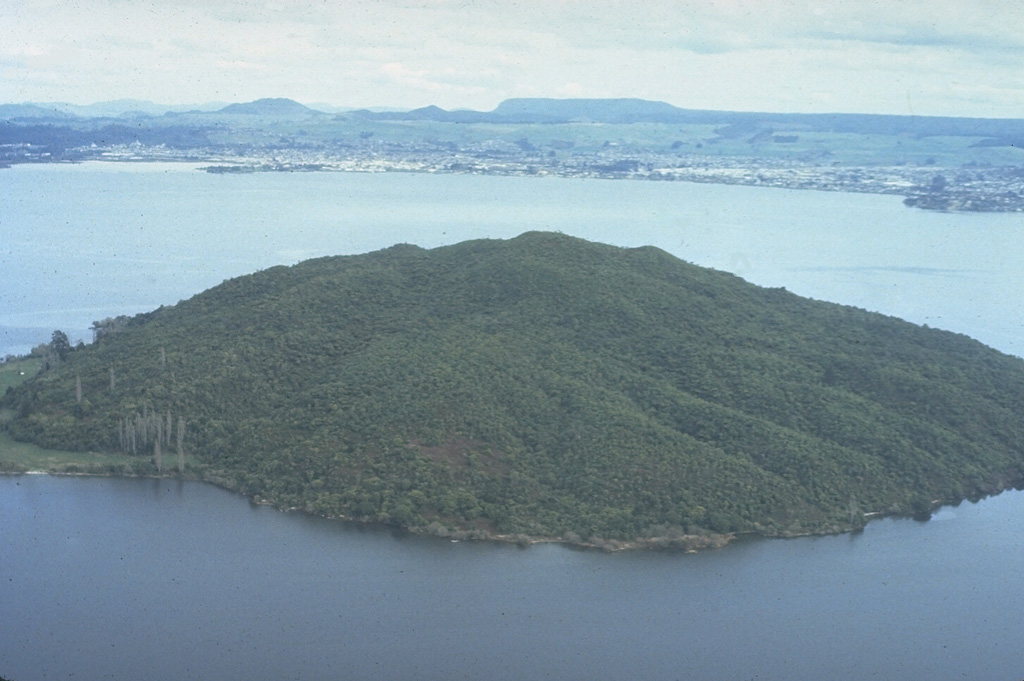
{"x":134,"y":107}
{"x":597,"y":110}
{"x":111,"y":109}
{"x":626,"y":111}
{"x":269,"y":107}
{"x":15,"y":112}
{"x":540,"y":111}
{"x":427,"y":113}
{"x":547,"y":386}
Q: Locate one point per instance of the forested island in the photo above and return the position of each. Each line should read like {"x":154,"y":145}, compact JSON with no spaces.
{"x":936,"y":163}
{"x":539,"y":388}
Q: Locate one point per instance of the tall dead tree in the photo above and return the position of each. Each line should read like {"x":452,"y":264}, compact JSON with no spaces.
{"x":181,"y":452}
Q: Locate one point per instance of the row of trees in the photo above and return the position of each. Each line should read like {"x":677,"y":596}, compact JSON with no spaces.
{"x":136,"y":433}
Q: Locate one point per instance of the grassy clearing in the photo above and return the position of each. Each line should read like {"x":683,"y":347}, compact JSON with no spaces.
{"x":21,"y":456}
{"x":18,"y":371}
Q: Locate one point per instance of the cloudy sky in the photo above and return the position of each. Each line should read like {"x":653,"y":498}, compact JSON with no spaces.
{"x":940,"y":57}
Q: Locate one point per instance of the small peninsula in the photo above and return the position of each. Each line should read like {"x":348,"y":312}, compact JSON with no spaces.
{"x":539,"y":388}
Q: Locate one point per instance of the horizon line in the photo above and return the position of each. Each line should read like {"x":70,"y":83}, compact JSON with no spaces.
{"x":204,"y":107}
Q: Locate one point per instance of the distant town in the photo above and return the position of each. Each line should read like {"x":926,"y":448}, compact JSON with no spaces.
{"x":942,"y":164}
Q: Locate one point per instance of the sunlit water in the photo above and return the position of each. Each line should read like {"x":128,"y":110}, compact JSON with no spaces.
{"x":129,"y":579}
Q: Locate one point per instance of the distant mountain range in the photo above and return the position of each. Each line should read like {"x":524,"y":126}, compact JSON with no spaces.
{"x":133,"y":108}
{"x":111,"y":109}
{"x":626,"y":111}
{"x":551,"y":111}
{"x":935,"y":163}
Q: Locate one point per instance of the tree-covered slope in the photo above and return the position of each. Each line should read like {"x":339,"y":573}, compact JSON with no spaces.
{"x":547,"y":386}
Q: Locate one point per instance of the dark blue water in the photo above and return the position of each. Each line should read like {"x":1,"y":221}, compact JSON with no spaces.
{"x":144,"y":579}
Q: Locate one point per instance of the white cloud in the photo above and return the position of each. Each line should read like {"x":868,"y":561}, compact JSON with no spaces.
{"x":741,"y":54}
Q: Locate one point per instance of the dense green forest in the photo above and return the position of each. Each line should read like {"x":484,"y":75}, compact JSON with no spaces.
{"x":542,"y":386}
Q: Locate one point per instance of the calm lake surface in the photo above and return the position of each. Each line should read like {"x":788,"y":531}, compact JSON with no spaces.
{"x":162,"y":580}
{"x":84,"y":242}
{"x":131,"y":579}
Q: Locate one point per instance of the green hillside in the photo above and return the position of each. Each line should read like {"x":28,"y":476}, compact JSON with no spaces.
{"x":543,"y":386}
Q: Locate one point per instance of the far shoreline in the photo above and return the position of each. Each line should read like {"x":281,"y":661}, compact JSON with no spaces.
{"x":743,"y":172}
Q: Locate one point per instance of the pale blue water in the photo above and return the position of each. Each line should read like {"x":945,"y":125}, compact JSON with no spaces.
{"x":123,"y":579}
{"x":80,"y":243}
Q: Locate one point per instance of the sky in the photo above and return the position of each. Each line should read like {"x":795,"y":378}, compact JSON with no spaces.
{"x":940,"y":57}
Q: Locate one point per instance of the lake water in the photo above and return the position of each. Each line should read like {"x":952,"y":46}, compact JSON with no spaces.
{"x":130,"y":579}
{"x":162,"y":580}
{"x":84,"y":242}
